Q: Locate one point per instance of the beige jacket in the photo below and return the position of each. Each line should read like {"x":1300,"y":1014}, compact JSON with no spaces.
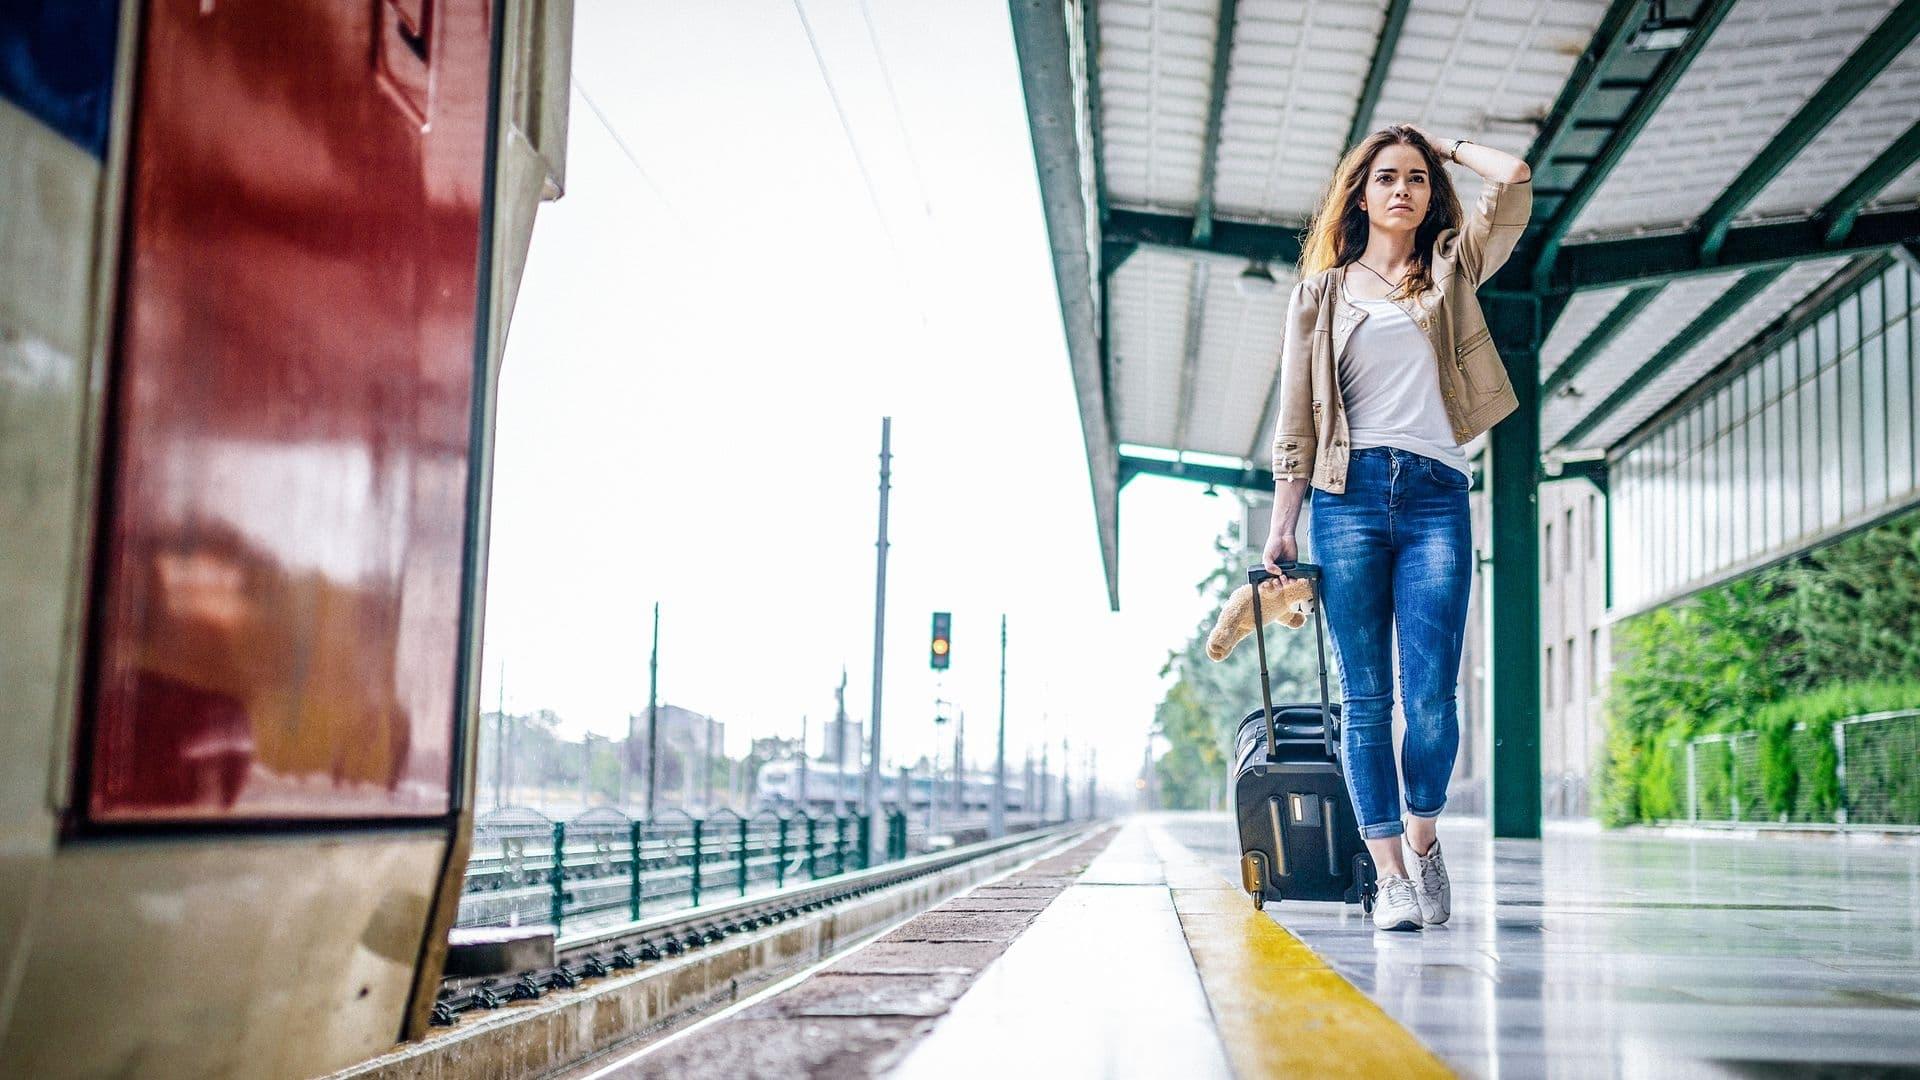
{"x":1310,"y":438}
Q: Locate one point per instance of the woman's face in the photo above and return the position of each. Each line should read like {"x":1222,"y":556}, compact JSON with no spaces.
{"x":1397,"y":190}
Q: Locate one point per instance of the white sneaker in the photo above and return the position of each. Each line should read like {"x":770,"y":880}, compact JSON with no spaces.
{"x":1435,"y":891}
{"x":1397,"y":907}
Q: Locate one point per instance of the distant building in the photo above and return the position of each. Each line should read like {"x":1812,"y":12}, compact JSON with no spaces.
{"x":685,"y":739}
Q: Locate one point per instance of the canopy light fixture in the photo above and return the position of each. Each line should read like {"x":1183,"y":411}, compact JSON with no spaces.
{"x":1659,"y":33}
{"x":1256,"y":280}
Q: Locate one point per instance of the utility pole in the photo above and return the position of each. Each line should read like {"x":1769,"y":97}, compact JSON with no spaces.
{"x":1093,"y":783}
{"x":1066,"y":780}
{"x":586,"y":769}
{"x":960,"y":764}
{"x":803,"y":763}
{"x":653,"y":714}
{"x":1045,"y":782}
{"x":840,"y":744}
{"x":706,"y":770}
{"x":997,"y":814}
{"x":500,"y":740}
{"x":872,"y":788}
{"x":933,"y":794}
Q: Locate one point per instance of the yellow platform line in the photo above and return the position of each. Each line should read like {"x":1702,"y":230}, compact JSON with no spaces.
{"x":1280,"y":1010}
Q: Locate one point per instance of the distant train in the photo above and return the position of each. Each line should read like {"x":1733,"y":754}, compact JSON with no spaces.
{"x":828,"y":783}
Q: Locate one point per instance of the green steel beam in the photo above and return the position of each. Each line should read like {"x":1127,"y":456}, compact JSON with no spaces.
{"x":1514,"y":609}
{"x":1593,"y":471}
{"x":1690,"y":335}
{"x":1887,"y":40}
{"x":1596,"y":80}
{"x":1271,"y":243}
{"x":1622,"y":314}
{"x":1650,"y":259}
{"x":1841,"y":210}
{"x":1377,"y":71}
{"x":1259,"y":480}
{"x":1200,"y":272}
{"x":1047,"y":48}
{"x":1216,"y":104}
{"x":1908,"y":252}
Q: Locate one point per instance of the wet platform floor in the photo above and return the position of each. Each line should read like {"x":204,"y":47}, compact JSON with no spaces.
{"x":1580,"y":955}
{"x":1591,"y":954}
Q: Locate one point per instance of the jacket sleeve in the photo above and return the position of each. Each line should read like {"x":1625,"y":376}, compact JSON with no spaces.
{"x":1493,"y":226}
{"x":1296,"y":433}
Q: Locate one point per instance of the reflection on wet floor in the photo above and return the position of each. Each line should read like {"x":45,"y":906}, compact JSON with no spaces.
{"x":1641,"y":956}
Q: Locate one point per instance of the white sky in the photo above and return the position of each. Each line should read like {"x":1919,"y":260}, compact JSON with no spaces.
{"x":702,"y":351}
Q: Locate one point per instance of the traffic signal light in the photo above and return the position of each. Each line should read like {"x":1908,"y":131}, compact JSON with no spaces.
{"x":942,"y":640}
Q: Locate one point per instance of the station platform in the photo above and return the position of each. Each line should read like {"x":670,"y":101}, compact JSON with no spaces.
{"x":1134,"y":953}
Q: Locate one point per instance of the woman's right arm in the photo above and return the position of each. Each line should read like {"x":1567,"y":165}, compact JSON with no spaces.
{"x":1296,"y":431}
{"x":1281,"y":545}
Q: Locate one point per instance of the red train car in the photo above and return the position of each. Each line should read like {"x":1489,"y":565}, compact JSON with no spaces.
{"x":257,"y":265}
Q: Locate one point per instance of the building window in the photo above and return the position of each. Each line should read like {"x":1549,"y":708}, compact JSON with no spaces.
{"x":1566,"y":543}
{"x":1593,"y":663}
{"x":1548,"y":688}
{"x":1593,"y":525}
{"x":1546,"y":552}
{"x":1571,"y":696}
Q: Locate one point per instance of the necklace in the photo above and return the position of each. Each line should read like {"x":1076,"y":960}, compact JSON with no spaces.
{"x":1381,"y":276}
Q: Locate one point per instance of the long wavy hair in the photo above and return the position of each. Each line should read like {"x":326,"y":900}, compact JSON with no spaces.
{"x":1337,"y":235}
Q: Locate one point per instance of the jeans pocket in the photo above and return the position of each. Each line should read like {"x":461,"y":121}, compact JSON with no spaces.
{"x":1447,"y":476}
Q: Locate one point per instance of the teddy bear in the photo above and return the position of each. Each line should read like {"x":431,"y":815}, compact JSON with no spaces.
{"x":1285,"y":601}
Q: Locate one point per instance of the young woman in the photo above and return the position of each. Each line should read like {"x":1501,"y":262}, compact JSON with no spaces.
{"x":1387,"y":368}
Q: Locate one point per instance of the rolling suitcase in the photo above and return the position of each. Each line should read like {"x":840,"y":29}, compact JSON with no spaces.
{"x":1299,"y":839}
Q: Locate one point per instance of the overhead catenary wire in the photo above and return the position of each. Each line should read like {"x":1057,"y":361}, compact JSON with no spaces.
{"x":859,"y":159}
{"x":899,"y":114}
{"x":627,"y":151}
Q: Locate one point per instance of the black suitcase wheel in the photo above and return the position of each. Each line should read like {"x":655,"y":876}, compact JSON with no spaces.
{"x":1260,"y":901}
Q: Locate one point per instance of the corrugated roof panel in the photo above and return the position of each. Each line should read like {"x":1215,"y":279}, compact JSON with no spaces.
{"x":1758,"y":313}
{"x":1903,"y":192}
{"x":1240,"y":341}
{"x":1485,"y":71}
{"x":1676,"y":306}
{"x":1149,"y":294}
{"x":1293,"y":76}
{"x":1764,"y":63}
{"x":1582,"y":315}
{"x":1863,"y":130}
{"x":1156,"y":74}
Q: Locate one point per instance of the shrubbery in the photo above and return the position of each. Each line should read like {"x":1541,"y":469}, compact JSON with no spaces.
{"x":1832,"y":634}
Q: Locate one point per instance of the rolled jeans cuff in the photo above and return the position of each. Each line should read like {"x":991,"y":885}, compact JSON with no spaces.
{"x":1384,"y":831}
{"x":1433,"y":813}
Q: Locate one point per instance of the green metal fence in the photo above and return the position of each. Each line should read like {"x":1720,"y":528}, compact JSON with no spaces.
{"x":1865,"y":773}
{"x":603,"y":865}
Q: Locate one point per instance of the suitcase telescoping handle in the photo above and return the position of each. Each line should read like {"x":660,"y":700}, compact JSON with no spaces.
{"x":1311,"y":574}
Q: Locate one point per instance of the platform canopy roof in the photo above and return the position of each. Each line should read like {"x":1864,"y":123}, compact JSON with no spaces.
{"x":1696,"y":179}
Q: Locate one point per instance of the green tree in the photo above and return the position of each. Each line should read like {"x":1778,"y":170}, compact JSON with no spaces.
{"x":1202,"y":710}
{"x":1798,"y":643}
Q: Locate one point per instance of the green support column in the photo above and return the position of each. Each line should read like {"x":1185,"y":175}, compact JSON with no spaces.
{"x":1514,"y":610}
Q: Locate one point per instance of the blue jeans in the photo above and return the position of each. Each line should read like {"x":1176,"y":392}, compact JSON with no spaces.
{"x":1396,"y":554}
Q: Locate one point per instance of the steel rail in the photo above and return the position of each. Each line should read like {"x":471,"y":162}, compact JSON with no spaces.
{"x":624,"y":947}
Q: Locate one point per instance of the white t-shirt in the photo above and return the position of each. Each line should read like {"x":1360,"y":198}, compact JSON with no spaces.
{"x":1390,"y":383}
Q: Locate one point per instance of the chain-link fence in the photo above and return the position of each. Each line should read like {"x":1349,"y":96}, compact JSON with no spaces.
{"x":1879,"y":769}
{"x":1863,"y":772}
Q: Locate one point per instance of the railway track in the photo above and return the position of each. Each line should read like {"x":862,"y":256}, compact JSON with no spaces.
{"x":594,"y":954}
